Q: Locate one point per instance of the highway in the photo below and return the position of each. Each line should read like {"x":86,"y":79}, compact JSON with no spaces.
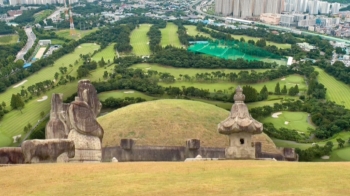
{"x":276,"y":27}
{"x":30,"y":42}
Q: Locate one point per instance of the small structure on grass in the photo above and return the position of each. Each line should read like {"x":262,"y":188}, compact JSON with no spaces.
{"x":240,"y":127}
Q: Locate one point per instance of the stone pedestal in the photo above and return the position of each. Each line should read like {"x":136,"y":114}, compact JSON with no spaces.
{"x":241,"y":147}
{"x":87,"y":148}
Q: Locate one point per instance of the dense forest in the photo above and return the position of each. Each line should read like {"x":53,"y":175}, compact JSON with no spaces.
{"x":28,"y":15}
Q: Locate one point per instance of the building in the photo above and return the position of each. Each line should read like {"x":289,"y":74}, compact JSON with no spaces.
{"x":258,"y":7}
{"x":324,"y":7}
{"x":1,"y":2}
{"x":335,"y":8}
{"x":227,"y":6}
{"x":218,"y":6}
{"x":286,"y":20}
{"x":44,"y":42}
{"x":14,"y":13}
{"x":246,"y":8}
{"x":274,"y":6}
{"x":270,"y":18}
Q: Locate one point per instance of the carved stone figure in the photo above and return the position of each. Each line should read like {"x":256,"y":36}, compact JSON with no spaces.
{"x":84,"y":128}
{"x":49,"y":150}
{"x":240,"y":127}
{"x":11,"y":155}
{"x":56,"y":128}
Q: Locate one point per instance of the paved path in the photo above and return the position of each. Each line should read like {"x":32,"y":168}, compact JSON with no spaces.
{"x":30,"y":42}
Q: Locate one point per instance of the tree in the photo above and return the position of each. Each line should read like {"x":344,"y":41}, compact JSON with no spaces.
{"x":277,"y":89}
{"x":17,"y":102}
{"x":340,"y":143}
{"x":42,"y":114}
{"x":3,"y":104}
{"x":261,"y":43}
{"x":284,"y":90}
{"x":56,"y":75}
{"x":339,"y":50}
{"x":105,"y":75}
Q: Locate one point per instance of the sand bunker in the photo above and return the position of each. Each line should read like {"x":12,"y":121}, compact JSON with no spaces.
{"x":128,"y":91}
{"x":20,"y":84}
{"x":286,"y":122}
{"x":79,"y":46}
{"x":16,"y":138}
{"x":325,"y":157}
{"x":42,"y":99}
{"x":283,"y":79}
{"x":147,"y":68}
{"x":275,"y":115}
{"x":40,"y":53}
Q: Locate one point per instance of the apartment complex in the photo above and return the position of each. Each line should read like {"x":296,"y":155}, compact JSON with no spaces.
{"x":43,"y":2}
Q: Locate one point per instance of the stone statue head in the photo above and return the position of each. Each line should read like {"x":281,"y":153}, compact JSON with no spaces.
{"x":88,"y":93}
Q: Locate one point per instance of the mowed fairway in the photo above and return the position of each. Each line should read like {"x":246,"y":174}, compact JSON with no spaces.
{"x":65,"y":33}
{"x":189,"y":71}
{"x":224,"y":85}
{"x":108,"y":54}
{"x":170,"y":36}
{"x":140,"y":41}
{"x":290,"y":120}
{"x":124,"y":93}
{"x":14,"y":122}
{"x":192,"y":31}
{"x":8,"y":39}
{"x":243,"y":178}
{"x":337,"y":91}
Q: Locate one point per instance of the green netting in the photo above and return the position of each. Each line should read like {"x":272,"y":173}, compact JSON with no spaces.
{"x":234,"y":50}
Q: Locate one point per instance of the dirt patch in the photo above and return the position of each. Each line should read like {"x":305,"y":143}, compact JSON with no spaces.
{"x":325,"y":157}
{"x":20,"y":84}
{"x":275,"y":115}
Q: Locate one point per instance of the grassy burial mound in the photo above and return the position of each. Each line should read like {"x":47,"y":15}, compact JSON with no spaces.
{"x":140,"y":41}
{"x":178,"y":178}
{"x":169,"y":36}
{"x":170,"y":122}
{"x":290,"y":120}
{"x":8,"y":39}
{"x":337,"y":91}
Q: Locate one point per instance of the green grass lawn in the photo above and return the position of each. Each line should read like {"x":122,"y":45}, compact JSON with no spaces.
{"x":65,"y":33}
{"x":225,"y":85}
{"x":14,"y":122}
{"x":192,"y":31}
{"x":296,"y":120}
{"x":124,"y":93}
{"x":189,"y":71}
{"x":140,"y":41}
{"x":337,"y":91}
{"x":57,"y":42}
{"x":108,"y":54}
{"x":169,"y":36}
{"x":8,"y":39}
{"x":42,"y":15}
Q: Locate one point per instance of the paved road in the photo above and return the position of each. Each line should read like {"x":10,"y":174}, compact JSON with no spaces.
{"x":30,"y":42}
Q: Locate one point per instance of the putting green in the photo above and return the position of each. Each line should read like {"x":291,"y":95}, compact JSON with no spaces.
{"x":108,"y":54}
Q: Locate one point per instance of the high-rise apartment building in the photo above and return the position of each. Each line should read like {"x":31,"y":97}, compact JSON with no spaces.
{"x":227,"y":6}
{"x":274,"y":6}
{"x":258,"y":7}
{"x":247,"y":8}
{"x":218,"y":6}
{"x":237,"y":8}
{"x":335,"y":8}
{"x":313,"y":7}
{"x":324,"y":7}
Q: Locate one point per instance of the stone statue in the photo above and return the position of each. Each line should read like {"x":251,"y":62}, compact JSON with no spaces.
{"x":240,"y":126}
{"x":56,"y":128}
{"x":39,"y":151}
{"x":84,"y":128}
{"x":11,"y":155}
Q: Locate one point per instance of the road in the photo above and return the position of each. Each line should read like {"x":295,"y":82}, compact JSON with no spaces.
{"x":287,"y":29}
{"x":30,"y":42}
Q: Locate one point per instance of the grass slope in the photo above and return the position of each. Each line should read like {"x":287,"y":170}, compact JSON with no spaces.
{"x":14,"y":122}
{"x":177,"y":178}
{"x":337,"y":91}
{"x":8,"y":39}
{"x":42,"y":15}
{"x":65,"y":33}
{"x":108,"y":54}
{"x":192,"y":31}
{"x":169,"y":122}
{"x":140,"y":41}
{"x":297,"y":121}
{"x":169,"y":36}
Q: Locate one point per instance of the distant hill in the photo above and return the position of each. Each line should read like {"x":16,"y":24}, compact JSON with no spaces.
{"x":169,"y":122}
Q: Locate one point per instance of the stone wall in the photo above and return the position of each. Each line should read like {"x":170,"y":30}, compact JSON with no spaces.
{"x":128,"y":151}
